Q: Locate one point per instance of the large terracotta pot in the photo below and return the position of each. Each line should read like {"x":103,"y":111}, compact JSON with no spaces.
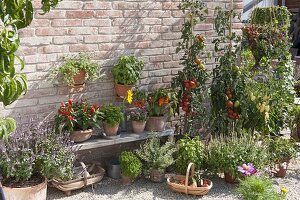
{"x":282,"y":168}
{"x":81,"y":136}
{"x":157,"y":176}
{"x":121,"y":90}
{"x":230,"y":179}
{"x":79,"y":78}
{"x":157,"y":124}
{"x":126,"y":180}
{"x":37,"y":192}
{"x":110,"y":130}
{"x":138,"y":126}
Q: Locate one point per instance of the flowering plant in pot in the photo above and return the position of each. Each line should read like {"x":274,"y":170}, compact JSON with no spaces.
{"x":112,"y":117}
{"x":75,"y":70}
{"x":156,"y":157}
{"x":78,"y":118}
{"x":29,"y":157}
{"x":281,"y":151}
{"x":159,"y":107}
{"x":138,"y":119}
{"x":126,"y":73}
{"x":131,"y":167}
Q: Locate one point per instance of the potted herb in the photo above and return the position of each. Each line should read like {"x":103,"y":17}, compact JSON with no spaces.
{"x":126,"y":73}
{"x":159,"y":107}
{"x":31,"y":156}
{"x":131,"y":167}
{"x":78,"y":118}
{"x":112,"y":117}
{"x":157,"y":157}
{"x":281,"y":152}
{"x":138,"y":119}
{"x":75,"y":70}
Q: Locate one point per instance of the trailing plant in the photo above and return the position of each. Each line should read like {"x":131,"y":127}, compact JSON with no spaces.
{"x":72,"y":65}
{"x":189,"y":150}
{"x":77,"y":116}
{"x":160,"y":102}
{"x":112,"y":115}
{"x":130,"y":164}
{"x":155,"y":155}
{"x":190,"y":83}
{"x":127,"y":70}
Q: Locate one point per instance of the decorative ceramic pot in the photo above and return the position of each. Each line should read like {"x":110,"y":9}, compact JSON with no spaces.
{"x":138,"y":126}
{"x":81,"y":136}
{"x":282,"y":168}
{"x":126,"y":180}
{"x":157,"y":176}
{"x":121,"y":90}
{"x":110,"y":130}
{"x":36,"y":192}
{"x":230,"y":179}
{"x":156,"y":124}
{"x":79,"y":78}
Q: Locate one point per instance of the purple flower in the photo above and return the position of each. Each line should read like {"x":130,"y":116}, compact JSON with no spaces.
{"x":247,"y":170}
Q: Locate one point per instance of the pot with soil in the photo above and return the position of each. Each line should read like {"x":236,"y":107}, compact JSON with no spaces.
{"x":112,"y":117}
{"x":35,"y":189}
{"x":282,"y":168}
{"x":230,"y":179}
{"x":81,"y":136}
{"x":122,"y":90}
{"x":110,"y":130}
{"x":157,"y":176}
{"x":138,"y":126}
{"x":156,"y":124}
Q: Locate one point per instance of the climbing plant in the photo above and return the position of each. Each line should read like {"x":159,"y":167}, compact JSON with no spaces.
{"x":14,"y":15}
{"x":190,"y":82}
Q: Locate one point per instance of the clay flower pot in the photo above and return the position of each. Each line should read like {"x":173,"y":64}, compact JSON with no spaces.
{"x":81,"y":136}
{"x":156,"y":124}
{"x":126,"y":180}
{"x":121,"y":90}
{"x":282,"y":168}
{"x":110,"y":130}
{"x":230,"y":179}
{"x":27,"y":193}
{"x":138,"y":126}
{"x":79,"y":78}
{"x":157,"y":176}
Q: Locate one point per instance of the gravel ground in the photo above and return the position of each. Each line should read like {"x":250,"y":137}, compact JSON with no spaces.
{"x":143,"y":189}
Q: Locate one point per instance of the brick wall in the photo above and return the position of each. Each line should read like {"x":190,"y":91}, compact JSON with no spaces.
{"x":108,"y":29}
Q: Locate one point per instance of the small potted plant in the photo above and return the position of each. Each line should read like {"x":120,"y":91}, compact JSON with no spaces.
{"x":75,"y":70}
{"x":138,"y":119}
{"x":112,"y":117}
{"x":157,"y":157}
{"x":131,"y":167}
{"x":159,"y":107}
{"x":31,"y":156}
{"x":78,"y":118}
{"x":126,"y":73}
{"x":281,"y":151}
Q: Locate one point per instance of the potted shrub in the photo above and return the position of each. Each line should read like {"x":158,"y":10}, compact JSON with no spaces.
{"x":138,"y":119}
{"x":112,"y":117}
{"x":157,"y":157}
{"x":131,"y":167}
{"x":281,"y":152}
{"x":31,"y":156}
{"x":75,"y":70}
{"x":159,"y":107}
{"x":126,"y":73}
{"x":226,"y":154}
{"x":78,"y":118}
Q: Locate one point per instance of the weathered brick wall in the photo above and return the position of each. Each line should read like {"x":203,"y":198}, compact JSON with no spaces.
{"x":108,"y":29}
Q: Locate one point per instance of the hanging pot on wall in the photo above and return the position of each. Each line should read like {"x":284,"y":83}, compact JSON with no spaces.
{"x":79,"y":79}
{"x":121,"y":90}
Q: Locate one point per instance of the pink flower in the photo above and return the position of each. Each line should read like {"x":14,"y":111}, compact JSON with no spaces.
{"x":247,"y":170}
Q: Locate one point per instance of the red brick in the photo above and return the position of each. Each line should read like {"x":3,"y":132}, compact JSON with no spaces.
{"x":108,"y":13}
{"x":50,"y":31}
{"x":96,"y":22}
{"x":66,"y":22}
{"x":79,"y":14}
{"x":83,"y":31}
{"x":97,"y":5}
{"x":83,"y":47}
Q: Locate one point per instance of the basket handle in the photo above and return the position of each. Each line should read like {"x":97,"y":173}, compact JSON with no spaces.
{"x":190,"y":168}
{"x":85,"y":174}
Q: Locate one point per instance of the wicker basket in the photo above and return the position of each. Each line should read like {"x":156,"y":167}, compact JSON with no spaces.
{"x":200,"y":191}
{"x":85,"y":175}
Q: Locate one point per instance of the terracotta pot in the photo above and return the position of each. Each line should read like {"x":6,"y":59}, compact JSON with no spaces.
{"x":121,"y":90}
{"x":230,"y":179}
{"x":81,"y":136}
{"x":79,"y":78}
{"x":138,"y":126}
{"x":157,"y":124}
{"x":157,"y":176}
{"x":110,"y":130}
{"x":37,"y":192}
{"x":282,"y":169}
{"x":126,"y":180}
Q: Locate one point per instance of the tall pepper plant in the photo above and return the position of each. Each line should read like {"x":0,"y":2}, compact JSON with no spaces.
{"x":190,"y":83}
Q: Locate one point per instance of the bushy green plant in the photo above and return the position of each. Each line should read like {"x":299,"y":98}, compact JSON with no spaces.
{"x":72,"y":65}
{"x":188,"y":150}
{"x":281,"y":148}
{"x":225,"y":154}
{"x":127,"y":70}
{"x":160,"y":102}
{"x":155,"y":155}
{"x":258,"y":188}
{"x":130,"y":164}
{"x":112,"y":115}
